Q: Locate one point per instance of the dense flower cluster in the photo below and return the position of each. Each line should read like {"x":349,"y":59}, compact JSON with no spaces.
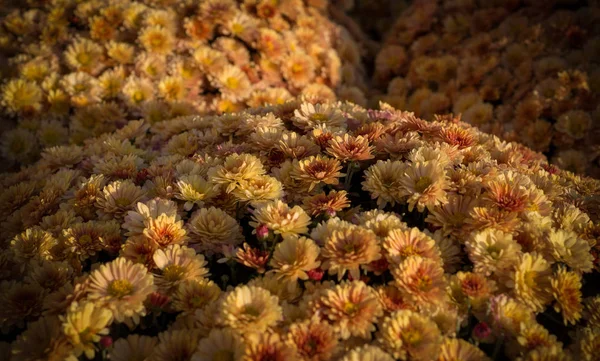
{"x":81,"y":68}
{"x":300,"y":231}
{"x":524,"y":70}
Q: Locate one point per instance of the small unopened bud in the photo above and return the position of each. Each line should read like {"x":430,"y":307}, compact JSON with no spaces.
{"x":315,"y":274}
{"x":158,"y":300}
{"x":482,"y":331}
{"x":106,"y":341}
{"x":330,"y":213}
{"x":262,"y":232}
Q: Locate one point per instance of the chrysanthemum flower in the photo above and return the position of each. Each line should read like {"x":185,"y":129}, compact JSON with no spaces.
{"x":530,"y":336}
{"x":575,"y":123}
{"x":298,"y":69}
{"x":252,"y":257}
{"x":296,"y":146}
{"x":165,"y":230}
{"x":192,"y":295}
{"x":347,"y":249}
{"x":328,"y":204}
{"x":175,"y":345}
{"x":211,"y":228}
{"x":472,"y":289}
{"x":315,"y":170}
{"x":22,"y":97}
{"x":22,"y":302}
{"x":380,"y":222}
{"x":456,"y":349}
{"x":220,"y":344}
{"x":43,"y":340}
{"x":566,"y":290}
{"x":309,"y":116}
{"x":481,"y":218}
{"x":383,"y":182}
{"x":408,"y":335}
{"x":367,"y":353}
{"x":233,"y":83}
{"x":121,"y":287}
{"x":349,"y":148}
{"x":258,"y":190}
{"x":118,"y":197}
{"x":401,"y":244}
{"x":393,"y":299}
{"x":268,"y":346}
{"x":508,"y":314}
{"x":33,"y":244}
{"x":424,"y":184}
{"x":508,"y":191}
{"x":592,"y":311}
{"x":280,"y":218}
{"x":157,"y":40}
{"x":85,"y":55}
{"x":452,"y":215}
{"x":177,"y":264}
{"x":249,"y":309}
{"x":138,"y":219}
{"x":172,"y":88}
{"x":532,"y":281}
{"x":237,"y":167}
{"x":314,"y":340}
{"x":587,"y":342}
{"x":492,"y":251}
{"x":421,"y":278}
{"x":543,"y":353}
{"x":568,"y":248}
{"x":139,"y":249}
{"x":282,"y":290}
{"x":133,"y":348}
{"x":351,"y":308}
{"x":293,"y":257}
{"x":84,"y":325}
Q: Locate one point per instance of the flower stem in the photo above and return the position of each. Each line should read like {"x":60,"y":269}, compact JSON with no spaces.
{"x":349,"y":173}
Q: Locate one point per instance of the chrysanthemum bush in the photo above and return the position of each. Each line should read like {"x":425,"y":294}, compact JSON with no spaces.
{"x":525,"y":70}
{"x":77,"y":69}
{"x":299,"y":231}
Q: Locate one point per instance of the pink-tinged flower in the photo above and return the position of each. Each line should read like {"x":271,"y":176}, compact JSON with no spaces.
{"x":482,"y":331}
{"x":262,"y":231}
{"x":315,"y":274}
{"x":106,"y":342}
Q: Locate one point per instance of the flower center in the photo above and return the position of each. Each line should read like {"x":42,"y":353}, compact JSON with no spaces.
{"x":422,"y":184}
{"x":296,"y":68}
{"x":85,"y":239}
{"x":232,"y":83}
{"x":120,"y":288}
{"x":223,"y":355}
{"x":156,"y":41}
{"x":138,"y":96}
{"x":84,"y":58}
{"x":122,"y":202}
{"x":173,"y":273}
{"x":318,"y":117}
{"x":349,"y":248}
{"x":529,"y":278}
{"x":424,"y":283}
{"x":350,"y":308}
{"x":237,"y":29}
{"x":411,"y":337}
{"x":198,"y":301}
{"x":251,"y":311}
{"x":493,"y":251}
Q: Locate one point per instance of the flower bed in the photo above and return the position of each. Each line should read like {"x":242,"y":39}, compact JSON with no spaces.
{"x":301,"y":231}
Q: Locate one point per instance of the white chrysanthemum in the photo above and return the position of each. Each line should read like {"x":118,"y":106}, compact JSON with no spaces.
{"x":121,"y":286}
